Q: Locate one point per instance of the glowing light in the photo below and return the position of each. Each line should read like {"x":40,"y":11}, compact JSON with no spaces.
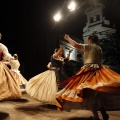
{"x":57,"y":17}
{"x":72,"y":6}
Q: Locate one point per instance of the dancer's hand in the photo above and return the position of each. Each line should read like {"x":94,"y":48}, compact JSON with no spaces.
{"x":66,"y":37}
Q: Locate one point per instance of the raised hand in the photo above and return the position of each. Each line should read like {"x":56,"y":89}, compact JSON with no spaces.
{"x":66,"y":37}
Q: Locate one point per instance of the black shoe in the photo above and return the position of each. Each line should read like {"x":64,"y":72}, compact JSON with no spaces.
{"x":105,"y":117}
{"x":104,"y":114}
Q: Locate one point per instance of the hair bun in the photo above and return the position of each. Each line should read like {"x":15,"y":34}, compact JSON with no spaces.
{"x":93,"y":37}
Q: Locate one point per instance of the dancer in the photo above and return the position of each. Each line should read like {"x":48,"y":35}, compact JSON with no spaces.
{"x":73,"y":66}
{"x":93,"y":78}
{"x":15,"y":64}
{"x":8,"y":84}
{"x":44,"y":86}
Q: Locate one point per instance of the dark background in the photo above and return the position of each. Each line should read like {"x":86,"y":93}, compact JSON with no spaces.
{"x":29,"y":30}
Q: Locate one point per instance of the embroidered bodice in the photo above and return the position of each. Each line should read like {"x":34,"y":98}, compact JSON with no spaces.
{"x":92,"y":54}
{"x":56,"y":63}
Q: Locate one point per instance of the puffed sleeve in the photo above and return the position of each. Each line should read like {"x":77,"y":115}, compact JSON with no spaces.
{"x":6,"y":54}
{"x":85,"y":47}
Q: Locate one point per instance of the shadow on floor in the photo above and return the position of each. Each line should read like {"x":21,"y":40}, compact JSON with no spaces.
{"x":35,"y":109}
{"x":30,"y":109}
{"x":20,"y":100}
{"x":49,"y":106}
{"x":80,"y":118}
{"x":3,"y":115}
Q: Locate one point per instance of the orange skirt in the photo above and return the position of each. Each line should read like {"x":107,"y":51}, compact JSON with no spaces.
{"x":99,"y":79}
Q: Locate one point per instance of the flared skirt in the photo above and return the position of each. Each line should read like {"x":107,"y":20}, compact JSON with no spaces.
{"x":100,"y":79}
{"x":43,"y":87}
{"x":9,"y":87}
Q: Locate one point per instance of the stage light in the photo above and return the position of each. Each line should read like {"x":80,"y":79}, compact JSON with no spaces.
{"x":72,"y":6}
{"x":57,"y":17}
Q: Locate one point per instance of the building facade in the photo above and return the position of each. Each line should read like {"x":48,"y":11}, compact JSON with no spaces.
{"x":97,"y":23}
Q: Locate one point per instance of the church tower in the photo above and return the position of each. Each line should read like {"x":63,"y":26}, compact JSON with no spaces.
{"x":96,"y":22}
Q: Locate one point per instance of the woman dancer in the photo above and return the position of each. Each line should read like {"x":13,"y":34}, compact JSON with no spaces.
{"x":15,"y":64}
{"x":44,"y":86}
{"x":9,"y":88}
{"x":92,"y":77}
